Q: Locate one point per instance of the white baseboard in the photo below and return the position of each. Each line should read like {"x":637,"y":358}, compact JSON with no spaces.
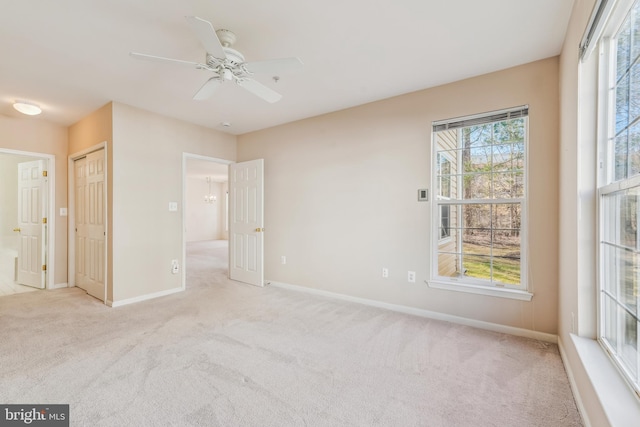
{"x":541,"y":336}
{"x":144,"y":297}
{"x":574,"y":387}
{"x":60,"y":285}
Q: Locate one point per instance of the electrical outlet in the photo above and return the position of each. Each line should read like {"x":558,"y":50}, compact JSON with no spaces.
{"x":411,"y":276}
{"x":385,"y":272}
{"x":283,"y":260}
{"x":175,"y":267}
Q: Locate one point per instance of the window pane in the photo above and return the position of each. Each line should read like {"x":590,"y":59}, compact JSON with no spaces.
{"x":627,"y":278}
{"x":519,"y":185}
{"x":622,"y":103}
{"x":623,"y":50}
{"x":634,"y":93}
{"x":476,"y":216}
{"x":476,"y":242}
{"x":507,"y":185}
{"x":507,"y":218}
{"x":445,"y":225}
{"x":609,"y":274}
{"x":506,"y":270}
{"x":478,"y":159}
{"x":628,"y":209}
{"x":634,"y":147}
{"x":610,"y":332}
{"x":635,"y":33}
{"x":507,"y":157}
{"x":476,"y":186}
{"x":620,"y":156}
{"x":509,"y":131}
{"x":610,"y":218}
{"x":506,"y":253}
{"x":448,"y":264}
{"x":477,"y":266}
{"x":629,"y":343}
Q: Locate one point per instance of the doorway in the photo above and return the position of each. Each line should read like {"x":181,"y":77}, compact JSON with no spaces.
{"x":205,"y":219}
{"x":27,"y":221}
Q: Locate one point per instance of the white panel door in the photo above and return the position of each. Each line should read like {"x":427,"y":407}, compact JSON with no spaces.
{"x":246,"y":212}
{"x":90,"y":224}
{"x":31,"y":190}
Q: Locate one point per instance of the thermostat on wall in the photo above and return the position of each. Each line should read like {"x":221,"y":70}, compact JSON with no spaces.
{"x":423,"y":195}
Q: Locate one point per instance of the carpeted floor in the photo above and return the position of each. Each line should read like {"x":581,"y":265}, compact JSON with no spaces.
{"x":228,"y":354}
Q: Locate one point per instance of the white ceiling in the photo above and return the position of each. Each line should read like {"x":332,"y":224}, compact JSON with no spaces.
{"x":72,"y":56}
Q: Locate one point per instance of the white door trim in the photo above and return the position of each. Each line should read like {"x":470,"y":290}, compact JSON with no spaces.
{"x":71,"y":239}
{"x":187,"y":156}
{"x":51,"y":211}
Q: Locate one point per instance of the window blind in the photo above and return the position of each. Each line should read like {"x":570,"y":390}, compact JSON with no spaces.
{"x":495,"y":116}
{"x":595,"y":26}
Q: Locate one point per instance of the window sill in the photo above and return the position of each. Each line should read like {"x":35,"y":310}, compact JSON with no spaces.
{"x":619,"y":402}
{"x":482,"y":290}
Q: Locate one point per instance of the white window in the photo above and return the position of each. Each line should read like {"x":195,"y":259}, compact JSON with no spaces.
{"x":619,"y":191}
{"x":480,"y":173}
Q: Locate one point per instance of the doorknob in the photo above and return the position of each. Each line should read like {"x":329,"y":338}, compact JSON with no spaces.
{"x":16,"y":229}
{"x":258,"y":230}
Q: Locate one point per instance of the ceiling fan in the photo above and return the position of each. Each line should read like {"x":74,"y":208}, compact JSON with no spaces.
{"x":228,"y":64}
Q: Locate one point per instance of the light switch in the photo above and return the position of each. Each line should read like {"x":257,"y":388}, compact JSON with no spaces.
{"x":173,"y":206}
{"x":63,"y":211}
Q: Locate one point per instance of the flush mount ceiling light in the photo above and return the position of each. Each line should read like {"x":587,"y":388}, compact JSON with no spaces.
{"x":27,"y":108}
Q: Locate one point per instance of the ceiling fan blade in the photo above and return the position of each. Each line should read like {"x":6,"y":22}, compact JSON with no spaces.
{"x":207,"y":36}
{"x":259,"y":90}
{"x":274,"y":66}
{"x":154,"y":58}
{"x":208,"y":88}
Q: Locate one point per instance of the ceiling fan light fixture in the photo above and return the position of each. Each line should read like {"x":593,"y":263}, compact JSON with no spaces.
{"x":227,"y":74}
{"x":28,"y":108}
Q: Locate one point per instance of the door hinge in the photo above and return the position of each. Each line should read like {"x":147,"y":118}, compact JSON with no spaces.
{"x":44,"y":173}
{"x":44,"y":267}
{"x":44,"y":220}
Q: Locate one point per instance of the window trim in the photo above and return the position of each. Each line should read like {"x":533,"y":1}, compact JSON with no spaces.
{"x":468,"y":284}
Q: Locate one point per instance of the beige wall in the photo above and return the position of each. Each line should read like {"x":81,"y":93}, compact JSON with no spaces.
{"x":38,"y":136}
{"x":147,"y":157}
{"x":204,"y":221}
{"x":341,"y":196}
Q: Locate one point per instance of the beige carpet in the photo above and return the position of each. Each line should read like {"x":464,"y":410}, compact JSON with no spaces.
{"x":228,"y":354}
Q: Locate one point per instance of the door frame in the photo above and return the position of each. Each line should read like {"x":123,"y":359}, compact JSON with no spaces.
{"x":49,"y":240}
{"x":71,"y":196}
{"x":190,"y":156}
